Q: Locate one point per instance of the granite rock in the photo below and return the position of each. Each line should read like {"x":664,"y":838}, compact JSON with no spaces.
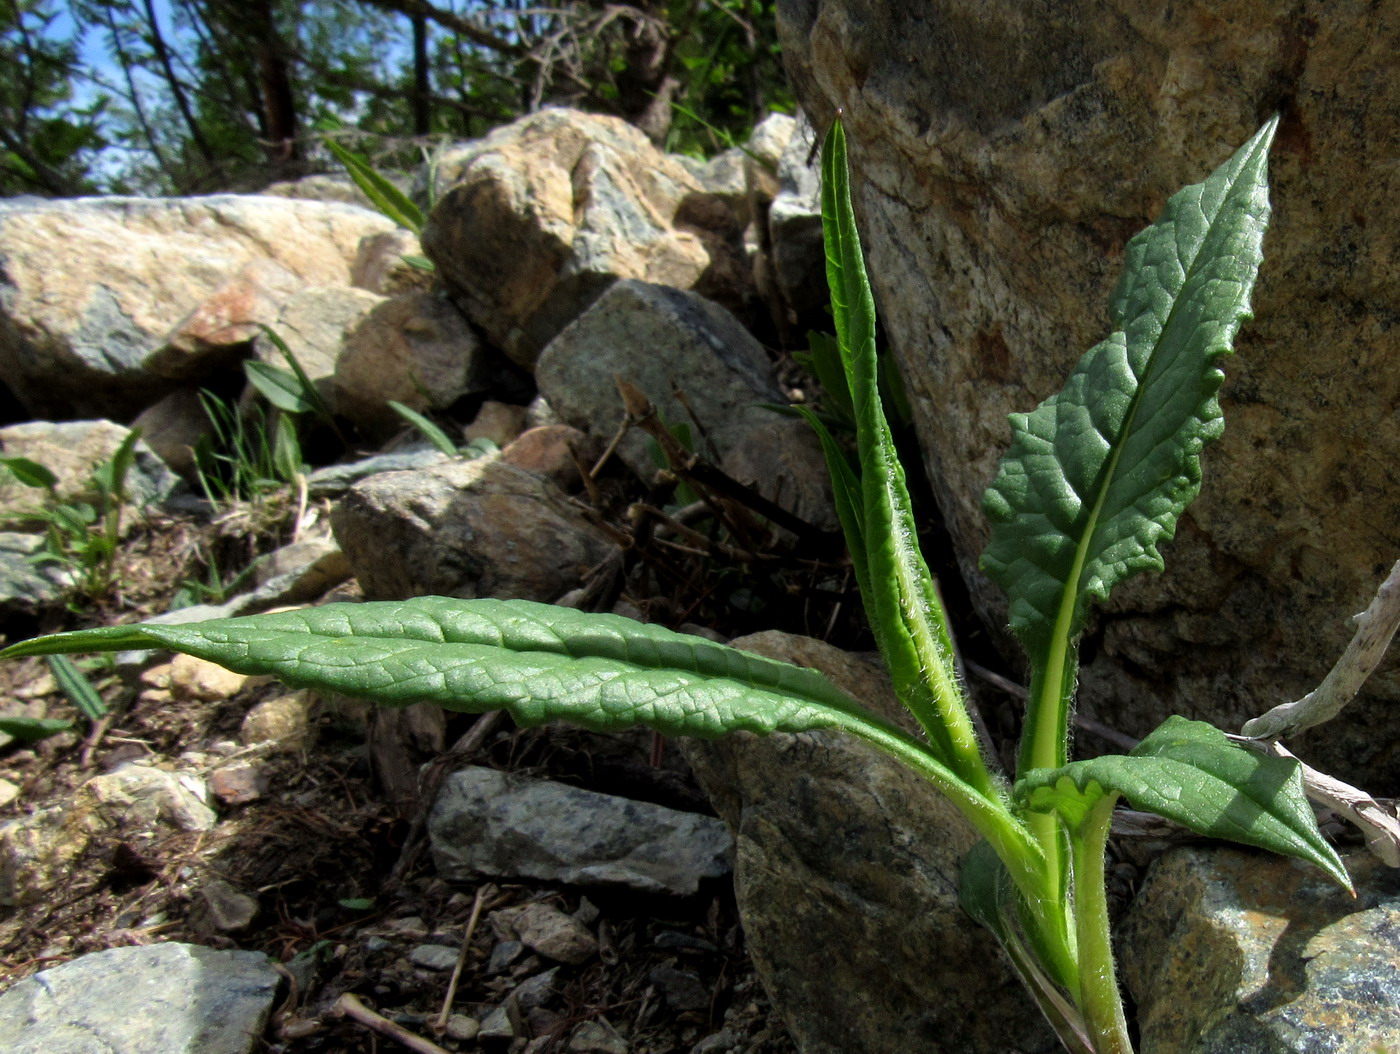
{"x":1229,"y":951}
{"x":1002,"y":155}
{"x":171,"y":998}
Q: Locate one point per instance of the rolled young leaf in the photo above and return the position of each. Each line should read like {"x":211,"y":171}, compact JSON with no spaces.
{"x":1188,"y":771}
{"x":1097,"y":475}
{"x":905,"y":612}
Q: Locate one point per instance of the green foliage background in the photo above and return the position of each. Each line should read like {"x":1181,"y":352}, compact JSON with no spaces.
{"x":193,"y":96}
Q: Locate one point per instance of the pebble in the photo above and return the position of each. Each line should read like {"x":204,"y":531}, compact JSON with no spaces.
{"x":682,"y":989}
{"x":503,"y":955}
{"x":496,"y":1026}
{"x":463,"y":1028}
{"x":597,"y":1037}
{"x":238,"y":783}
{"x":8,"y":792}
{"x":433,"y":956}
{"x":545,"y":929}
{"x":284,"y":721}
{"x":227,"y":908}
{"x":202,"y":680}
{"x":536,"y":991}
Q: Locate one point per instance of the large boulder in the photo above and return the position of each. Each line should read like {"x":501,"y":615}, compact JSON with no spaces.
{"x":152,"y":291}
{"x":1231,"y":951}
{"x":665,"y":340}
{"x":1003,"y":154}
{"x":846,"y":872}
{"x":478,"y":528}
{"x":542,"y":215}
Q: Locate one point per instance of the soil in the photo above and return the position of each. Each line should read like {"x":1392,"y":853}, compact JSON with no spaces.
{"x":343,"y":886}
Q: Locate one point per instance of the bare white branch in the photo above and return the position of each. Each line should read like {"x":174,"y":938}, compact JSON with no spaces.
{"x":1374,"y":628}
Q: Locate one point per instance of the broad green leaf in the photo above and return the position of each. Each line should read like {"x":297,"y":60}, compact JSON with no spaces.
{"x":1188,"y":771}
{"x":543,"y":663}
{"x":431,"y":432}
{"x":902,"y":604}
{"x":1097,"y":475}
{"x":387,"y":198}
{"x":31,"y":473}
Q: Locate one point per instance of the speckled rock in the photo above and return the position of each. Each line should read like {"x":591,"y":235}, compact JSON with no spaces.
{"x":416,"y":349}
{"x":1003,"y":154}
{"x":172,"y":998}
{"x":846,"y":871}
{"x":503,"y":825}
{"x":467,"y":529}
{"x":660,"y":339}
{"x":1235,"y":952}
{"x":542,"y":215}
{"x":152,"y":291}
{"x":314,"y":323}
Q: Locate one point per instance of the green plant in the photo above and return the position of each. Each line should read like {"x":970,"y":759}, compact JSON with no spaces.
{"x":246,"y":457}
{"x":388,"y":199}
{"x":82,"y":537}
{"x":1095,"y":479}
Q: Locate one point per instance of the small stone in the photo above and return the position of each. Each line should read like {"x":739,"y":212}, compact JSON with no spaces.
{"x":716,"y":1043}
{"x":226,"y":908}
{"x":200,"y":680}
{"x":374,"y":945}
{"x":496,"y":1025}
{"x":161,"y":997}
{"x":433,"y":957}
{"x":537,"y":991}
{"x":409,"y":926}
{"x":283,"y":720}
{"x":238,"y":783}
{"x":545,"y":929}
{"x":586,"y":912}
{"x":8,"y":792}
{"x":498,"y":422}
{"x":463,"y":1028}
{"x":549,"y":451}
{"x":682,"y":989}
{"x":597,"y":1037}
{"x":134,"y":796}
{"x":504,"y":955}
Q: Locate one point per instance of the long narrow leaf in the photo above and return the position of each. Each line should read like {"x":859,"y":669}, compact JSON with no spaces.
{"x":902,"y":603}
{"x":385,"y":197}
{"x":1190,"y":772}
{"x":542,"y":663}
{"x":76,"y":687}
{"x":1098,"y":474}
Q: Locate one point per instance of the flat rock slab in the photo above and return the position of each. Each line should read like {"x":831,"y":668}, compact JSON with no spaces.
{"x":170,"y":998}
{"x":506,"y":826}
{"x":1234,"y":952}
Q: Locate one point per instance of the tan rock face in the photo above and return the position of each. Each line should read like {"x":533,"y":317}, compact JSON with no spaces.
{"x":416,"y":349}
{"x":1003,"y":155}
{"x":544,"y":214}
{"x":147,"y":287}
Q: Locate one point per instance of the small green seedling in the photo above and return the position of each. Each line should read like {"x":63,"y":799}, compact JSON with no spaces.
{"x":82,"y":537}
{"x":1094,"y":481}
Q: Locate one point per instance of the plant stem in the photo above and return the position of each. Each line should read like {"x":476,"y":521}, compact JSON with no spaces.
{"x":1099,"y":999}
